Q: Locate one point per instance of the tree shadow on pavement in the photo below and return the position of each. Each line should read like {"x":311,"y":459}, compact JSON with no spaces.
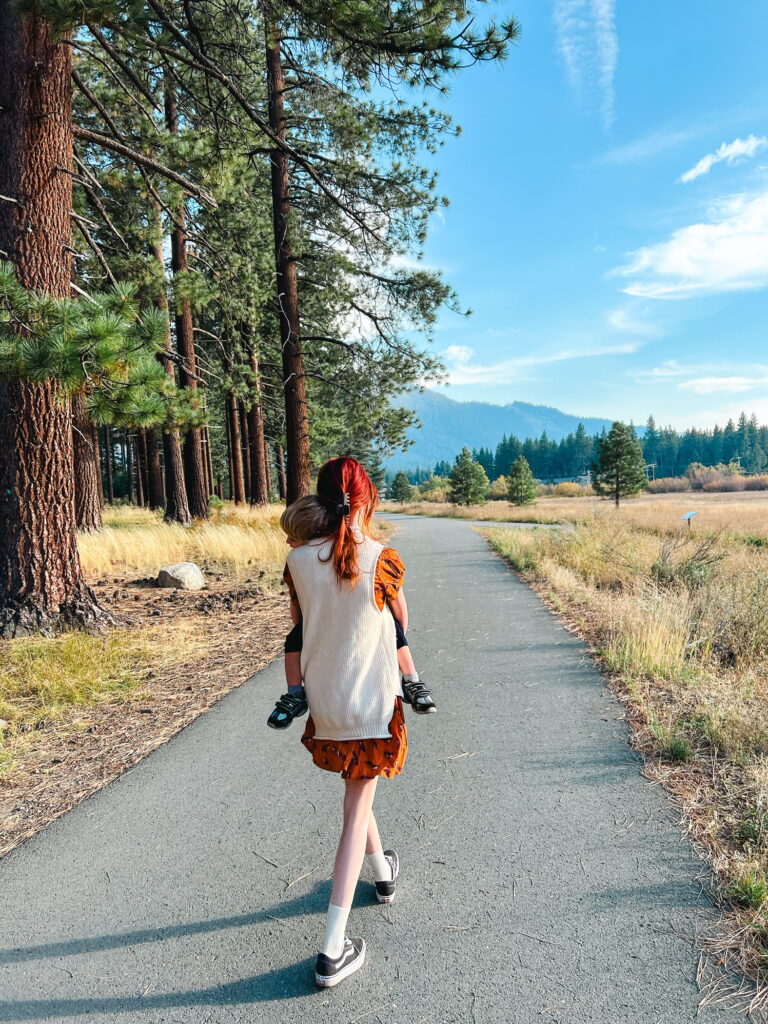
{"x":313,"y":902}
{"x":289,"y":982}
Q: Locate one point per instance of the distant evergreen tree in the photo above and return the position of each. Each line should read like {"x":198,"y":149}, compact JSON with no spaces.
{"x":485,"y":457}
{"x":620,"y":467}
{"x":521,"y":484}
{"x":442,"y":468}
{"x":401,"y":489}
{"x":469,"y":483}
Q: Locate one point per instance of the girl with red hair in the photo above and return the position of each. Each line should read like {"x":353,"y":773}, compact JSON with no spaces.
{"x":345,"y":589}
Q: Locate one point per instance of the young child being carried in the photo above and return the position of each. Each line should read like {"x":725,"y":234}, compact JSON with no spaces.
{"x":303,"y":521}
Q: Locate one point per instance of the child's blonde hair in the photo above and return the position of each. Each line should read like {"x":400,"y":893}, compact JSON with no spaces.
{"x":306,"y":519}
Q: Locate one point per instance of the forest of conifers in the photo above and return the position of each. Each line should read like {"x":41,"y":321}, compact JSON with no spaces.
{"x":209,"y":213}
{"x":668,"y":452}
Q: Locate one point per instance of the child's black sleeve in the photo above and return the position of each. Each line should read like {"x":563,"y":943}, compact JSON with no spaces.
{"x":294,"y":640}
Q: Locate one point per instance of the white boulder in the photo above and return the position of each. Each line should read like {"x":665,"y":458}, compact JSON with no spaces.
{"x":181,"y":576}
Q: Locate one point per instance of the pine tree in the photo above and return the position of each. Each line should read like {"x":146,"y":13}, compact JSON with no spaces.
{"x":620,"y":467}
{"x":521,"y":485}
{"x":469,"y":483}
{"x":401,"y":489}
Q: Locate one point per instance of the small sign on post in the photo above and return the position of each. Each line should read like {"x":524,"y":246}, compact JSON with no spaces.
{"x":688,"y":517}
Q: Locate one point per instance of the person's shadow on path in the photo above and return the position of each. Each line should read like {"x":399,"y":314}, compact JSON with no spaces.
{"x":289,"y":982}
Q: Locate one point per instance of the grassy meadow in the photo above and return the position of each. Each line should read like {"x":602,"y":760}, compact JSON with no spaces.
{"x":679,"y":620}
{"x":135,"y":540}
{"x":741,"y":514}
{"x":46,"y":680}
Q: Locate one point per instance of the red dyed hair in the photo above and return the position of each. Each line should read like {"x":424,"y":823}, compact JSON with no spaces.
{"x":337,"y":479}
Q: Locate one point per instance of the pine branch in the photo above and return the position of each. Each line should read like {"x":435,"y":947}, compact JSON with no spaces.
{"x":124,"y":67}
{"x":105,"y":141}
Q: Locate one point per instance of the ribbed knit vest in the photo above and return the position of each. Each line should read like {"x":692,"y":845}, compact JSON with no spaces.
{"x":348,"y":656}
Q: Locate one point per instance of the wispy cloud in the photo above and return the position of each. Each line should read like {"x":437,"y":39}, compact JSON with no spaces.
{"x":727,"y":253}
{"x":589,"y":47}
{"x":706,"y":378}
{"x":649,"y":145}
{"x":462,"y":370}
{"x":712,"y":385}
{"x":625,"y":319}
{"x":730,"y":152}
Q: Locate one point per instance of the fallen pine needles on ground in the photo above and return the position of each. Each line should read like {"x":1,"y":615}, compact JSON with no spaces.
{"x":680,"y":625}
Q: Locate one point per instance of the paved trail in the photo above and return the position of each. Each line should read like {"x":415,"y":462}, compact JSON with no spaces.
{"x":543,"y":878}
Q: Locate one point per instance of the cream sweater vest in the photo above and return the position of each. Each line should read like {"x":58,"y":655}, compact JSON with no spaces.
{"x":348,"y":656}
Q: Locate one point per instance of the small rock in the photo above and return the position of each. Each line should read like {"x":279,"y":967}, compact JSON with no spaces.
{"x":181,"y":576}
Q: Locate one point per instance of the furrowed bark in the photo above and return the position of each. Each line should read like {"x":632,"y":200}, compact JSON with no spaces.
{"x":42,"y":587}
{"x":259,"y":486}
{"x":88,"y":500}
{"x":236,"y":454}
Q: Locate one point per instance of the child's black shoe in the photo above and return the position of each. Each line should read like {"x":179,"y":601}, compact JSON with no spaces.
{"x":289,"y":706}
{"x":418,"y":696}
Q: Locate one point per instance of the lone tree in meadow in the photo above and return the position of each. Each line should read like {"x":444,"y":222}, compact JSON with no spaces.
{"x":620,"y":467}
{"x":469,"y":483}
{"x":521,"y":488}
{"x":401,"y":489}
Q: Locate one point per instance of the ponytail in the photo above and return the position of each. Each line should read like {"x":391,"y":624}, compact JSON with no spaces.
{"x":345,"y":488}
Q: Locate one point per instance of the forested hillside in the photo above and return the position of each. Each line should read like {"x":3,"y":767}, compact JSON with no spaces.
{"x":448,"y":425}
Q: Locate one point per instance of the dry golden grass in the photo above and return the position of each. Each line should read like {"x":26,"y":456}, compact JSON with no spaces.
{"x":43,"y":678}
{"x":742,"y":514}
{"x":138,"y":541}
{"x":681,"y":624}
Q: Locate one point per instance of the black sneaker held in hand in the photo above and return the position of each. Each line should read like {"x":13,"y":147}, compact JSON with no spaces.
{"x":289,"y":706}
{"x":418,"y":696}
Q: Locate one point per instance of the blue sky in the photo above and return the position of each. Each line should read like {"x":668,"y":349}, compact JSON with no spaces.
{"x":608,"y":223}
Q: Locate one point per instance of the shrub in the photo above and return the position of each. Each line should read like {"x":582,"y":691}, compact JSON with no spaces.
{"x":759,"y":482}
{"x":571,"y":489}
{"x":669,"y":485}
{"x":498,"y":489}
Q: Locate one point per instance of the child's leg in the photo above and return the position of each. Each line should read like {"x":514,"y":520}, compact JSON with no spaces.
{"x":358,"y":801}
{"x":293,"y":669}
{"x":404,"y":659}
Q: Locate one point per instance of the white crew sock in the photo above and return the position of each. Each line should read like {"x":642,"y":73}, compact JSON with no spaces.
{"x":335,"y":929}
{"x":380,"y":866}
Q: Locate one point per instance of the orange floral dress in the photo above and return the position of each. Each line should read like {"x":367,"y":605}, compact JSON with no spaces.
{"x":365,"y":759}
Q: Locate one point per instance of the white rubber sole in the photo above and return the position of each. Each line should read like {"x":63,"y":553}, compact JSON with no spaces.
{"x":325,"y":982}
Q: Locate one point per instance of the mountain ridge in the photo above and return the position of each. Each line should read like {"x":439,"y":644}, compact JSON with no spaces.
{"x":448,"y":425}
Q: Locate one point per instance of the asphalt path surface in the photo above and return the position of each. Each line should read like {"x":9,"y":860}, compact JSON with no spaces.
{"x":543,"y":879}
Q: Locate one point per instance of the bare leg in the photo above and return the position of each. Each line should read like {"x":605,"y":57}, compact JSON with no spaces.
{"x":405,"y":661}
{"x":373,"y":845}
{"x":293,"y":668}
{"x":358,"y":801}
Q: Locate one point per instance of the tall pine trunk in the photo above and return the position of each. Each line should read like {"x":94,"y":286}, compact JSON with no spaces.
{"x":194,"y":467}
{"x":259,"y":486}
{"x":41,"y":581}
{"x":108,"y":457}
{"x":294,"y":379}
{"x":246,"y":450}
{"x":176,"y":503}
{"x":236,"y":453}
{"x":282,"y":488}
{"x":88,"y":499}
{"x":155,"y":490}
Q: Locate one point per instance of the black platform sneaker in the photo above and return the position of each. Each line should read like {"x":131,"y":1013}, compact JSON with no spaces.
{"x":329,"y":972}
{"x":385,"y":891}
{"x":419,"y":697}
{"x":287,"y":708}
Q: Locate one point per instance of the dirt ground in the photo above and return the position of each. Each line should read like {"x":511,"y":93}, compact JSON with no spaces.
{"x":230,"y":630}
